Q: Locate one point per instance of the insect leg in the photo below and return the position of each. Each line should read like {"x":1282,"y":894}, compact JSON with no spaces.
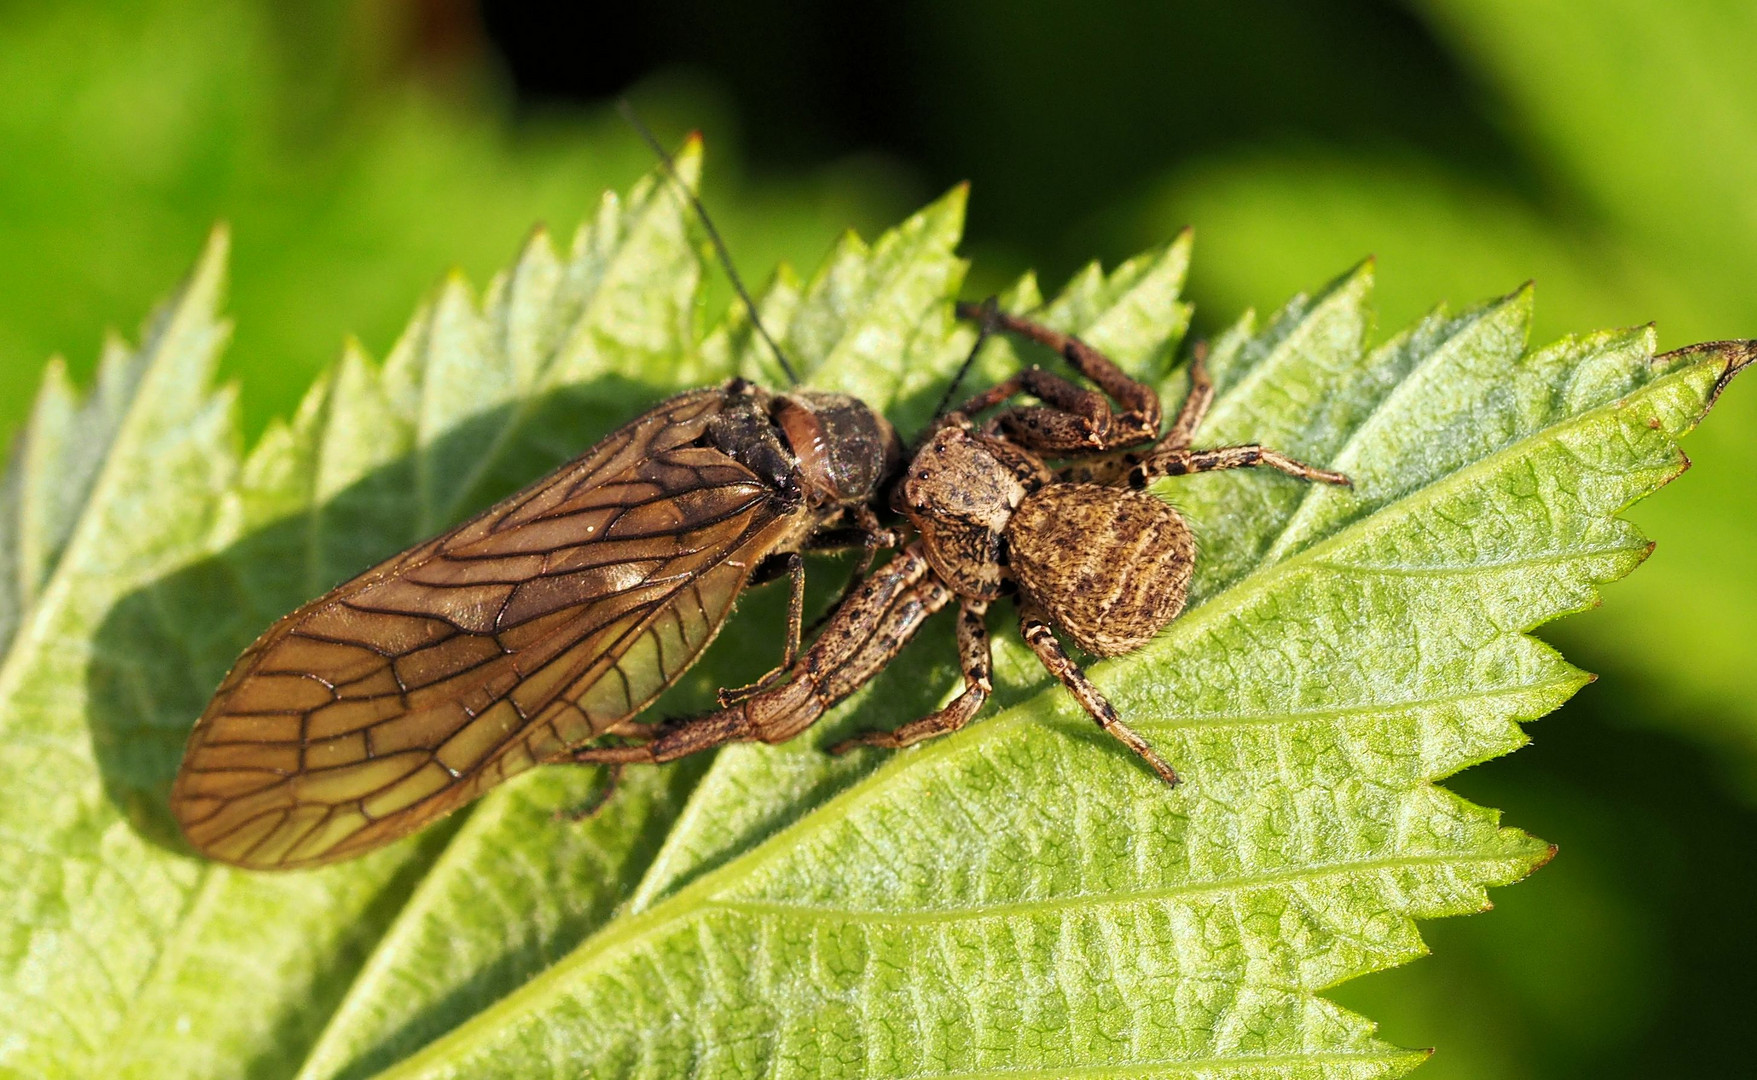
{"x":589,"y":809}
{"x":874,"y":536}
{"x":1037,"y":633}
{"x":795,"y":571}
{"x":976,"y":658}
{"x":1184,"y":462}
{"x":866,"y":534}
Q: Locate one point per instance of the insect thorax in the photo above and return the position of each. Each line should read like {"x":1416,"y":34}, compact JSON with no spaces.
{"x":829,"y":450}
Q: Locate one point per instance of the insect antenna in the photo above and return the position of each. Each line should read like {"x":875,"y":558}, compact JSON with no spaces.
{"x":987,"y":315}
{"x":701,"y":212}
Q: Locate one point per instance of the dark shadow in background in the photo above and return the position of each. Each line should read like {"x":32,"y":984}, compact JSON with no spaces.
{"x":1054,"y":111}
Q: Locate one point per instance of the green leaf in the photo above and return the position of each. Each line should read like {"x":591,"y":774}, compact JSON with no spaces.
{"x":1018,"y":899}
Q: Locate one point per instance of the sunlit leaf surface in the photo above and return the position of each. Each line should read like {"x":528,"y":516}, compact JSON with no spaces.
{"x":1022,"y":899}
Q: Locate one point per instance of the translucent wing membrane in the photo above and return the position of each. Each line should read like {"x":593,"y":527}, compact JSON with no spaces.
{"x":550,"y":619}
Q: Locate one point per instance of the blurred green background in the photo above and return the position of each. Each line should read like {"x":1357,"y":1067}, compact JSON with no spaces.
{"x":1607,"y":149}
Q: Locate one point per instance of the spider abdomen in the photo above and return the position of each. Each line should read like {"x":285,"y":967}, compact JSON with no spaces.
{"x":1110,"y":567}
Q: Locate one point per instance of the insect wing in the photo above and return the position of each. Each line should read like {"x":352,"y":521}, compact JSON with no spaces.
{"x":549,"y":619}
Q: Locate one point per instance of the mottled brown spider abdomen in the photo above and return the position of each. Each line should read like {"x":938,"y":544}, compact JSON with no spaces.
{"x":1110,"y":567}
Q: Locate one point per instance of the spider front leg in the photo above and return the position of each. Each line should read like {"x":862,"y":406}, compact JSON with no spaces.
{"x":1184,"y":462}
{"x":1072,"y":420}
{"x":867,"y":535}
{"x":1196,"y":402}
{"x":976,"y":658}
{"x":1035,"y":629}
{"x":868,"y":629}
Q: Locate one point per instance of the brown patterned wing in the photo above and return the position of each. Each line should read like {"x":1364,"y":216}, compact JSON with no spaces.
{"x":550,"y":619}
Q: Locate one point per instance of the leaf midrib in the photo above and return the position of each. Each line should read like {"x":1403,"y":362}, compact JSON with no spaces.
{"x":1050,"y":905}
{"x":1553,"y":558}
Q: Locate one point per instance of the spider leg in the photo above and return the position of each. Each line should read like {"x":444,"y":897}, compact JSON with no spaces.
{"x":1072,"y":420}
{"x":975,"y":657}
{"x":1195,"y":405}
{"x":870,"y":627}
{"x":1185,"y":462}
{"x":1116,"y":467}
{"x":1038,"y":635}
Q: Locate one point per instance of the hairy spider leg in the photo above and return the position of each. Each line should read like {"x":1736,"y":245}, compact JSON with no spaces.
{"x":1034,"y":627}
{"x":1196,"y":402}
{"x":866,"y":632}
{"x":1073,"y":420}
{"x":976,"y":659}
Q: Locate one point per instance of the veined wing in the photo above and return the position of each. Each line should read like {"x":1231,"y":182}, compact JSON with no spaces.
{"x":545,"y":621}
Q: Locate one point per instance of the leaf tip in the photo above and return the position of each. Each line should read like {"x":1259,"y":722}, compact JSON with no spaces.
{"x":688,"y":162}
{"x":219,"y":240}
{"x":455,"y":289}
{"x":951,"y":206}
{"x":55,"y":374}
{"x":1357,"y":279}
{"x":207,"y":280}
{"x":1735,"y":354}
